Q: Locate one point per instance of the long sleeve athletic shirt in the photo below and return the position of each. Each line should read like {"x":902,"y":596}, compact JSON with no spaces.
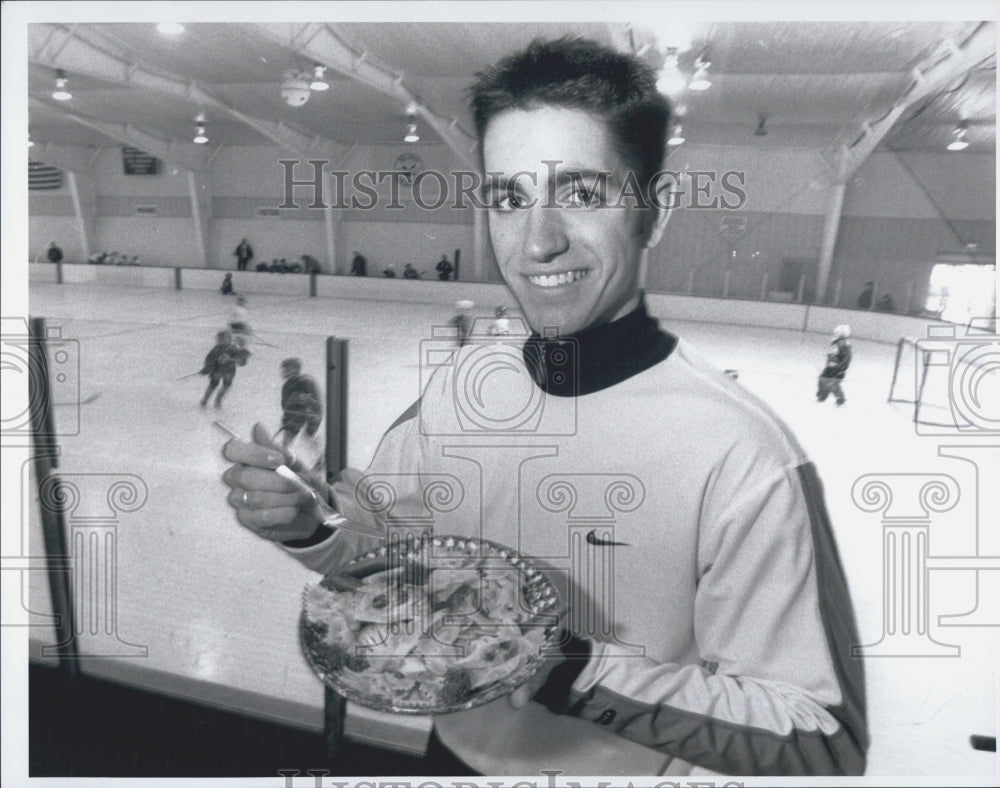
{"x":688,"y":526}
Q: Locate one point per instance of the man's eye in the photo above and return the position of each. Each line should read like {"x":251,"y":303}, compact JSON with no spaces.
{"x":507,"y":201}
{"x":583,"y":197}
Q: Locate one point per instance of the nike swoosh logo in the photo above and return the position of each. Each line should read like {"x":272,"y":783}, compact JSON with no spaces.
{"x":594,"y":539}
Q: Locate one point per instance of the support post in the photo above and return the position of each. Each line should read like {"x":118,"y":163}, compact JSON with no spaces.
{"x":82,"y":192}
{"x":331,"y":224}
{"x":53,"y":519}
{"x":336,"y":460}
{"x":479,"y":273}
{"x":831,"y":226}
{"x":201,"y":207}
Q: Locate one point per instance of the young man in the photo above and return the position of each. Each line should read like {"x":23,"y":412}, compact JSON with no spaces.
{"x":838,"y":359}
{"x":710,"y":618}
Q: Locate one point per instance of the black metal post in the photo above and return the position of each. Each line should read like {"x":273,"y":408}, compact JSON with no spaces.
{"x":53,"y":520}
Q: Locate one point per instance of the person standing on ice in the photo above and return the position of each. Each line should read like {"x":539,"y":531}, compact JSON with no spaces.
{"x":838,"y":359}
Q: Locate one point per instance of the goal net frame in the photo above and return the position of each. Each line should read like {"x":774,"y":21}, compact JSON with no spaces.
{"x":933,"y":374}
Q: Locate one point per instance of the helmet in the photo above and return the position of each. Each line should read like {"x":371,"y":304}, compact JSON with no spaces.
{"x":291,"y":362}
{"x":501,"y":311}
{"x":842,"y":331}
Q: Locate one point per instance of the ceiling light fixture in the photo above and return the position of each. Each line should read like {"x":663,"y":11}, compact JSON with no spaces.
{"x":30,"y":143}
{"x":61,"y":93}
{"x":700,"y":80}
{"x":295,"y":88}
{"x":411,"y":132}
{"x":677,"y":138}
{"x":170,"y":28}
{"x":959,"y":142}
{"x":200,"y":136}
{"x":319,"y":79}
{"x":670,"y":81}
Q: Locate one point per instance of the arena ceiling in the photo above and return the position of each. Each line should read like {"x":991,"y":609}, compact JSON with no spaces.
{"x":847,"y":86}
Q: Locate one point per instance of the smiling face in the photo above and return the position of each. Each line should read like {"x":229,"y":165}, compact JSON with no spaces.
{"x":569,"y":252}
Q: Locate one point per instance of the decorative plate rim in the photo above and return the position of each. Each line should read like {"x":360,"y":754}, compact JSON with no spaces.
{"x":491,"y":692}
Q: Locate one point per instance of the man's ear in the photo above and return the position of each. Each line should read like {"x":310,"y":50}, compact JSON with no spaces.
{"x":662,"y":207}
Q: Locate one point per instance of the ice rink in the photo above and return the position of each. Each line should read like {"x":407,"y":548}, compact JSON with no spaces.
{"x":193,"y":585}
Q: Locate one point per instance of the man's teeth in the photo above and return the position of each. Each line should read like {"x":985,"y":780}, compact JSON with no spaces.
{"x":552,"y":280}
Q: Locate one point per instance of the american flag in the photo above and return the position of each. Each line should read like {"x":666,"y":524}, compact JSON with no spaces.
{"x":43,"y":176}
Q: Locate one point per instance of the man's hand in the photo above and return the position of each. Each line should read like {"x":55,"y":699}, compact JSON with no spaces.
{"x":270,"y":506}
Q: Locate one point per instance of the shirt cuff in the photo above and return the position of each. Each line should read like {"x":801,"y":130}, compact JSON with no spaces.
{"x":555,"y":693}
{"x":320,"y":535}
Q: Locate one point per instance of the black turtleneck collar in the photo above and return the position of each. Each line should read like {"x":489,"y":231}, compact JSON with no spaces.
{"x":598,"y":357}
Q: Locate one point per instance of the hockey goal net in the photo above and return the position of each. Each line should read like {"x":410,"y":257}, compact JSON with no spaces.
{"x":951,"y":378}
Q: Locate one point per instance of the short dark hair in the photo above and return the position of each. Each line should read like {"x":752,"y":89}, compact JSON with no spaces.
{"x":579,"y":73}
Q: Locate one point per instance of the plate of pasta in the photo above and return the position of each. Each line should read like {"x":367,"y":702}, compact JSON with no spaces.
{"x":430,"y":625}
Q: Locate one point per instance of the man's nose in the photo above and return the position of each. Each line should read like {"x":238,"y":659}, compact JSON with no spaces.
{"x":545,"y":233}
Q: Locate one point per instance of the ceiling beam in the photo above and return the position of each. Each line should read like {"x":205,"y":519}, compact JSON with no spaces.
{"x":66,"y":49}
{"x":74,"y":158}
{"x":933,"y":75}
{"x":319,"y":43}
{"x":169,"y":150}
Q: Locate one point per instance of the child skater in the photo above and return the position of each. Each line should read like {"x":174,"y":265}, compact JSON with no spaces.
{"x":838,"y":359}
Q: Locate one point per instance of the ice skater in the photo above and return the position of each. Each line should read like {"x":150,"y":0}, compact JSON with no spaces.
{"x":838,"y":359}
{"x":462,"y":321}
{"x":238,"y":322}
{"x":501,"y":325}
{"x":301,"y":406}
{"x":220,"y":365}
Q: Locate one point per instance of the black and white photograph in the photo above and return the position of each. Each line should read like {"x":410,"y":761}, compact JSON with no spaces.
{"x":471,"y":394}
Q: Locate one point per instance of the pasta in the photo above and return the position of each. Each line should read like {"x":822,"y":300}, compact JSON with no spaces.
{"x":431,"y":633}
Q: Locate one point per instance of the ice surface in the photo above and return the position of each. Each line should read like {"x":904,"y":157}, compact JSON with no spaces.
{"x":212,"y":601}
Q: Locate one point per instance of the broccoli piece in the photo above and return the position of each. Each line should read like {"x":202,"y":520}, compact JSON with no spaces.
{"x":331,"y":657}
{"x":457,"y":686}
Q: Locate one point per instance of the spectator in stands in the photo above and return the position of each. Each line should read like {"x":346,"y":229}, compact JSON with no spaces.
{"x":134,"y":260}
{"x":244,"y":254}
{"x":444,"y":268}
{"x":865,"y":299}
{"x":389,"y":272}
{"x":55,"y":254}
{"x":409,"y":272}
{"x":885,"y":304}
{"x":358,"y":265}
{"x":310,"y":264}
